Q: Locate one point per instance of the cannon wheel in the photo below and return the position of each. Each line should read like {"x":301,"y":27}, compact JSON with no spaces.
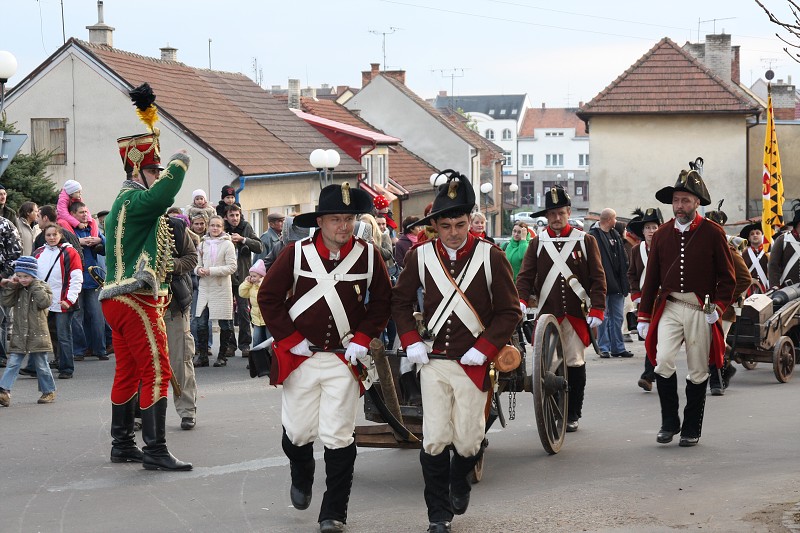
{"x":549,"y":383}
{"x":783,"y":359}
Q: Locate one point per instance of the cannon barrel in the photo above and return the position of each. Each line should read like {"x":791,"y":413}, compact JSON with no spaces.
{"x":785,"y":295}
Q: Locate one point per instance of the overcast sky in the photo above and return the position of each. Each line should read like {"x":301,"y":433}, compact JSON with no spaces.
{"x":559,"y":53}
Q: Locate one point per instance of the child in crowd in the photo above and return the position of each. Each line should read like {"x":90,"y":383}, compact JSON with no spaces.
{"x":30,"y":297}
{"x":249,"y":289}
{"x":228,"y":196}
{"x":72,"y":193}
{"x":199,"y":205}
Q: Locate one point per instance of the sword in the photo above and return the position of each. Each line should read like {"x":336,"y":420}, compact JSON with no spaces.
{"x":709,"y":308}
{"x":580,"y":292}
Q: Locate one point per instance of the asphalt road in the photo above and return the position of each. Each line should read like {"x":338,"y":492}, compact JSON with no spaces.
{"x":610,"y":476}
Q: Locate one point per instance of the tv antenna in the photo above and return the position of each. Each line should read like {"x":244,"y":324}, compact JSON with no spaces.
{"x":709,"y":20}
{"x":452,"y":73}
{"x":383,"y":34}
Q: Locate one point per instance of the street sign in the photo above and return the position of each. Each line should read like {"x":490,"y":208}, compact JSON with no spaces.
{"x":10,"y":143}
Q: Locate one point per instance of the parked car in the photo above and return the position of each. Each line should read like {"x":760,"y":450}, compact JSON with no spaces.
{"x":523,"y":216}
{"x":576,"y":223}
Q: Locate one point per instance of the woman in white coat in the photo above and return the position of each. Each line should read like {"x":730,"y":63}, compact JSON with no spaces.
{"x":215,"y":265}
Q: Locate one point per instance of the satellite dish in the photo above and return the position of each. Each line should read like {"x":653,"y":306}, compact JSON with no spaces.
{"x":769,"y":74}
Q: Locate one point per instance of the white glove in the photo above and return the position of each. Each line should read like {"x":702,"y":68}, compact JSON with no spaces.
{"x":417,"y":353}
{"x":643,"y":328}
{"x":355,"y":353}
{"x":301,"y":348}
{"x":637,"y":300}
{"x":473,"y":357}
{"x":523,"y":308}
{"x":713,"y":317}
{"x":593,"y":321}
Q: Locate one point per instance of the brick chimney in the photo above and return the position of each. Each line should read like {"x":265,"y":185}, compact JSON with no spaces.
{"x":169,"y":53}
{"x":736,"y":65}
{"x":442,"y":93}
{"x":294,"y":93}
{"x":783,"y":100}
{"x":368,"y":75}
{"x":101,"y":33}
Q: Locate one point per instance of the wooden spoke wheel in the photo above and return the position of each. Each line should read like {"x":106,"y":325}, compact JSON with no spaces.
{"x":549,"y":383}
{"x":783,"y":359}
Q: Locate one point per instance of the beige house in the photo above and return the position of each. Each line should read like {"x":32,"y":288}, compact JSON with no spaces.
{"x":76,"y":104}
{"x":667,"y":109}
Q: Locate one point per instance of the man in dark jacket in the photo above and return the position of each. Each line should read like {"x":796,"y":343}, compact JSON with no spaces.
{"x":247,"y":243}
{"x":406,"y":240}
{"x":615,"y":265}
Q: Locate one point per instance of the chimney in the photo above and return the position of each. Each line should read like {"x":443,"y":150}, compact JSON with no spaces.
{"x":543,"y":106}
{"x":101,"y":33}
{"x":276,"y":88}
{"x":310,"y":92}
{"x":783,"y":100}
{"x":294,"y":93}
{"x":368,"y":75}
{"x":168,"y":53}
{"x":718,"y":55}
{"x":736,"y":66}
{"x":442,"y":93}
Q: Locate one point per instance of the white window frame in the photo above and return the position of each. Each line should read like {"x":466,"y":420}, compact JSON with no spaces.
{"x":489,"y":134}
{"x":554,"y":160}
{"x":507,"y":135}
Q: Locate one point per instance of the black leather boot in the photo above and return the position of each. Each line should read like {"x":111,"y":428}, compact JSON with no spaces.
{"x":576,"y":377}
{"x":436,"y":473}
{"x":460,"y":468}
{"x":727,"y":374}
{"x":123,"y":443}
{"x":301,"y":467}
{"x":693,"y":413}
{"x":201,"y":357}
{"x":154,"y":433}
{"x":409,"y":386}
{"x":224,"y":343}
{"x":339,"y":465}
{"x":668,"y":397}
{"x":648,"y":376}
{"x":714,"y":381}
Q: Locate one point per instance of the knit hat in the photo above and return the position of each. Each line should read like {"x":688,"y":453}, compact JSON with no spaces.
{"x":227,"y":190}
{"x":71,"y":187}
{"x":259,"y":268}
{"x":199,"y":192}
{"x":27,"y":265}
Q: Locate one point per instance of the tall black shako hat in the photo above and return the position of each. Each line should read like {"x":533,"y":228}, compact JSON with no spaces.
{"x":556,"y":197}
{"x":636,"y":225}
{"x":690,"y":181}
{"x":455,"y":197}
{"x":337,"y":200}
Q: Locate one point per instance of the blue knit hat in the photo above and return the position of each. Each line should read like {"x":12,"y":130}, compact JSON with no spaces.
{"x":27,"y":265}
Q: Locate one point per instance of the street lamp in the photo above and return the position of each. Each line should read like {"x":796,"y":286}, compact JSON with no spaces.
{"x":513,"y":188}
{"x":324,"y":161}
{"x":8,"y":67}
{"x":9,"y":143}
{"x":486,"y":188}
{"x":437,"y":179}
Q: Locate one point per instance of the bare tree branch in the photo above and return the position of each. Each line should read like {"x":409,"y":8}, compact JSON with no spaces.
{"x":792,"y":27}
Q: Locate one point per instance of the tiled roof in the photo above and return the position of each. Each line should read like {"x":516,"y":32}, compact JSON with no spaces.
{"x":501,"y":106}
{"x":667,"y":80}
{"x":404,"y":167}
{"x":227,"y":112}
{"x":556,"y":117}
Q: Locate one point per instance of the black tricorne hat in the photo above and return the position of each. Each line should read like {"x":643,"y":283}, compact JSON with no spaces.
{"x":456,"y":195}
{"x":745,"y":233}
{"x":337,"y":200}
{"x":556,"y":197}
{"x":688,"y":181}
{"x":636,"y":225}
{"x":719,"y":216}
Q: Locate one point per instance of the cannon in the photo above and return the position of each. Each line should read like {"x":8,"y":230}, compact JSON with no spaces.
{"x":767,"y":331}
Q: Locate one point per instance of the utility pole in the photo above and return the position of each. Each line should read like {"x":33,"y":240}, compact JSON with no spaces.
{"x":383,"y":34}
{"x":258,"y":73}
{"x":452,"y":73}
{"x":209,"y":53}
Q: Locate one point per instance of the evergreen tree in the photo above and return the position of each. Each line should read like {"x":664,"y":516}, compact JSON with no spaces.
{"x":26,"y":178}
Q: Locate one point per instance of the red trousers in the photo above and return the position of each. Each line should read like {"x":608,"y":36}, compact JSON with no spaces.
{"x":140,"y":347}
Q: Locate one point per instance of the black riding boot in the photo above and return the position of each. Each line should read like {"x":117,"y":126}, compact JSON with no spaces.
{"x":668,"y":397}
{"x":460,"y":468}
{"x":693,"y":413}
{"x":154,"y":433}
{"x":224,"y":342}
{"x":576,"y":377}
{"x":714,"y":382}
{"x":301,"y":466}
{"x":436,"y":473}
{"x":409,"y":386}
{"x":201,"y":359}
{"x":123,"y":443}
{"x":339,"y":464}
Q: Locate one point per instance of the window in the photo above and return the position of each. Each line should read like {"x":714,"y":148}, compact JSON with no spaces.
{"x":50,"y":135}
{"x":513,"y":111}
{"x":376,"y":169}
{"x":506,"y":159}
{"x":582,"y":190}
{"x":554,"y":160}
{"x":490,"y":135}
{"x":554,"y":134}
{"x":583,"y":160}
{"x":527,"y":160}
{"x":527,"y":193}
{"x":257,"y":221}
{"x":491,"y":111}
{"x":506,"y":134}
{"x":502,"y":112}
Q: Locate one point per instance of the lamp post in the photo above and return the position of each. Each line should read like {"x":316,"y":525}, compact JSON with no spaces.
{"x":437,"y":179}
{"x":513,"y":188}
{"x":486,"y":188}
{"x":324,"y":161}
{"x":506,"y":223}
{"x":9,"y":143}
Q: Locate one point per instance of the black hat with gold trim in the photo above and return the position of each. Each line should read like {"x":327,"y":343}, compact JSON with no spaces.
{"x":337,"y":200}
{"x":690,"y":181}
{"x":455,"y":198}
{"x":650,"y":215}
{"x":556,"y":197}
{"x":143,"y":150}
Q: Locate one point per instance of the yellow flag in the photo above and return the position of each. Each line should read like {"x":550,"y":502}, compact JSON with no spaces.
{"x":772,"y":182}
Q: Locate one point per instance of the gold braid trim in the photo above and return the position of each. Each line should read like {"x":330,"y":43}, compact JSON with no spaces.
{"x":136,"y":305}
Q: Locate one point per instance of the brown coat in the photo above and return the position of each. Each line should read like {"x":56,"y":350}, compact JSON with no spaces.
{"x":635,"y":269}
{"x":779,"y":256}
{"x":497,"y":306}
{"x":704,"y":267}
{"x":743,"y":281}
{"x":764,"y":261}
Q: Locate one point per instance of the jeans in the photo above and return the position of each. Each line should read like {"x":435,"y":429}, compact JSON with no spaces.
{"x":62,"y":324}
{"x":43,"y":374}
{"x":243,"y":316}
{"x":92,"y":324}
{"x":196,"y":320}
{"x":204,"y":321}
{"x":609,"y":338}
